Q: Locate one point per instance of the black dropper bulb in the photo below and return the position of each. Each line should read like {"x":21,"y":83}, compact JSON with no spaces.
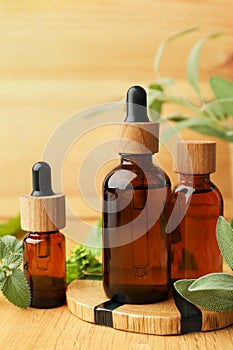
{"x":41,"y":180}
{"x":136,"y":105}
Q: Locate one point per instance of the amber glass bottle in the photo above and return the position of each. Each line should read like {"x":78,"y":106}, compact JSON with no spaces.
{"x":137,"y":195}
{"x":197,"y":203}
{"x":44,"y":268}
{"x":42,"y":213}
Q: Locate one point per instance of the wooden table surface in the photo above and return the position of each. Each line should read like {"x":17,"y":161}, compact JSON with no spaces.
{"x":58,"y":57}
{"x":59,"y":329}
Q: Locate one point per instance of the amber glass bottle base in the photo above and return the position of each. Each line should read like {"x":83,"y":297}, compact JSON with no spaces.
{"x":142,"y":295}
{"x":50,"y":292}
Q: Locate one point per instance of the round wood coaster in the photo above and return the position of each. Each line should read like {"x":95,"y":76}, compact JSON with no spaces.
{"x":87,"y":300}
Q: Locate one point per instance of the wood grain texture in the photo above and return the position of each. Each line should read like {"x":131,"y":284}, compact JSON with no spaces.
{"x":42,"y":214}
{"x":81,"y":309}
{"x":59,"y":329}
{"x":139,"y":138}
{"x":195,"y":157}
{"x":164,"y":318}
{"x":109,"y":39}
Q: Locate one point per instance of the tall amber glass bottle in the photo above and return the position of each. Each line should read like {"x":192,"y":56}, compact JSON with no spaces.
{"x":42,"y":215}
{"x":197,"y":204}
{"x":137,"y":195}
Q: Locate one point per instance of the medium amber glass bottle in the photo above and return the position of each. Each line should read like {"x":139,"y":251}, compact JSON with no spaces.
{"x":137,"y":195}
{"x":197,"y":203}
{"x":42,"y":213}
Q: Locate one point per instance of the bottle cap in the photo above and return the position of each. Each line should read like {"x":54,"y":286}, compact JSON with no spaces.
{"x":194,"y":157}
{"x":42,"y":210}
{"x":138,"y":135}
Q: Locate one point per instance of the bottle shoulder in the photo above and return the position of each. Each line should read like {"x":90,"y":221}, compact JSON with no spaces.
{"x":122,"y":176}
{"x":38,"y":237}
{"x":206,"y":193}
{"x":200,"y":188}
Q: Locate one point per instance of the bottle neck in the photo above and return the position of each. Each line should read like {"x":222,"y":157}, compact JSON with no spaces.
{"x":44,"y":233}
{"x":140,"y":160}
{"x":194,"y":180}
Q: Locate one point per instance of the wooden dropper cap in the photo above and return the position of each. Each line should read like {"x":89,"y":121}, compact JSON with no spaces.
{"x":42,"y":210}
{"x":195,"y":157}
{"x":138,"y":135}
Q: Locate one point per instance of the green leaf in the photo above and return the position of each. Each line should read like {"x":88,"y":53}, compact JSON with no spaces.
{"x":186,"y":123}
{"x":16,"y":289}
{"x":3,"y":278}
{"x":213,"y":281}
{"x":163,"y":45}
{"x":160,"y":84}
{"x":223,"y":89}
{"x":193,"y":62}
{"x":94,"y":239}
{"x":212,"y":131}
{"x":215,"y":300}
{"x":2,"y":275}
{"x":12,"y":261}
{"x":232,"y":223}
{"x":93,"y":269}
{"x":13,"y":245}
{"x":3,"y":250}
{"x":82,"y":261}
{"x":155,"y":108}
{"x":72,"y":272}
{"x":177,"y":117}
{"x":224,"y":234}
{"x":219,"y":108}
{"x":11,"y":227}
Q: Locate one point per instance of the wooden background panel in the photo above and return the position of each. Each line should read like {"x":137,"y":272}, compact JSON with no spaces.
{"x":113,"y":39}
{"x":58,"y":57}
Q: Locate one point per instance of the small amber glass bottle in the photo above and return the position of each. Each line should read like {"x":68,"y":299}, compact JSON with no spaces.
{"x":197,"y":205}
{"x":42,"y":214}
{"x":137,"y":195}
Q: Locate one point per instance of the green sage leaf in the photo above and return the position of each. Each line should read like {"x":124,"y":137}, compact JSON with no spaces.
{"x":193,"y":62}
{"x":3,"y":279}
{"x":163,"y":45}
{"x":155,"y":106}
{"x":16,"y":289}
{"x":2,"y":275}
{"x":186,"y":123}
{"x":215,"y":300}
{"x":3,"y":250}
{"x":223,"y":89}
{"x":177,"y":117}
{"x":14,"y":246}
{"x":224,"y":234}
{"x":12,"y":261}
{"x":212,"y":131}
{"x":213,"y":281}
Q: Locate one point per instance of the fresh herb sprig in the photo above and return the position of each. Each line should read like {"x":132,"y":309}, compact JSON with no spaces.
{"x":211,"y":117}
{"x":213,"y":291}
{"x":84,"y":258}
{"x":81,"y":262}
{"x":13,"y":283}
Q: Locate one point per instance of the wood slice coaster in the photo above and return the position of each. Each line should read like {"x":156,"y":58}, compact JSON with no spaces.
{"x":86,"y":299}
